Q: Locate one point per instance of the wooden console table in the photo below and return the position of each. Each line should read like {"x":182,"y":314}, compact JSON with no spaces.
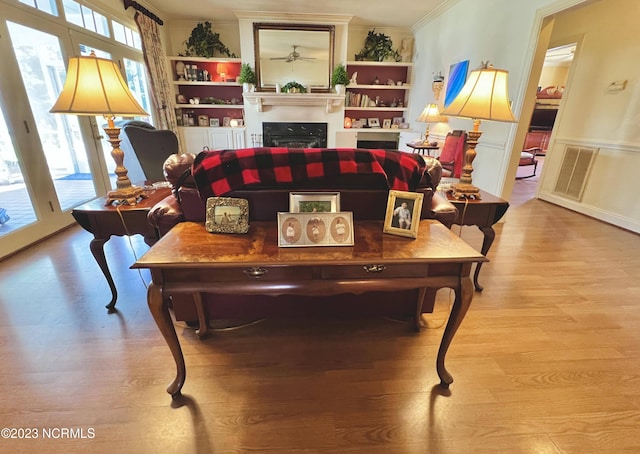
{"x":104,"y":221}
{"x":422,"y":147}
{"x":190,"y":260}
{"x":483,"y":213}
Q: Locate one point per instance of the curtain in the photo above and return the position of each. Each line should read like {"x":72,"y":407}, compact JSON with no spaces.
{"x":155,"y":61}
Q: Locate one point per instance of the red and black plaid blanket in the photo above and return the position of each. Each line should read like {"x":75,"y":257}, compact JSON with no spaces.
{"x":219,"y":172}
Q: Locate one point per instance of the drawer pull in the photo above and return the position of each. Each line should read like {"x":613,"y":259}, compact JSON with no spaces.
{"x":374,"y":268}
{"x":255,"y":272}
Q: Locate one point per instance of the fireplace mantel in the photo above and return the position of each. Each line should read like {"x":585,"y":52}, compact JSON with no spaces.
{"x":327,"y":100}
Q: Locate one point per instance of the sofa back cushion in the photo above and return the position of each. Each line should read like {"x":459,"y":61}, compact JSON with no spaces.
{"x":220,"y":172}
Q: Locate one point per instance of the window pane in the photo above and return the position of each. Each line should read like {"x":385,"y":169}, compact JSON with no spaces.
{"x":118,"y":32}
{"x":48,"y":6}
{"x":72,"y":12}
{"x":102,"y":26}
{"x":136,"y":41}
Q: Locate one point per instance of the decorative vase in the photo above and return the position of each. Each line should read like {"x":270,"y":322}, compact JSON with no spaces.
{"x":247,"y":87}
{"x":340,"y":89}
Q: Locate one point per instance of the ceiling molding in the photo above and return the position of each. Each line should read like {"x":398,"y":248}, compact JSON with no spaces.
{"x":267,"y":16}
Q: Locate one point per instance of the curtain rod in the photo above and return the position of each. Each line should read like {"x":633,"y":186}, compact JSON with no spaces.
{"x":138,"y":7}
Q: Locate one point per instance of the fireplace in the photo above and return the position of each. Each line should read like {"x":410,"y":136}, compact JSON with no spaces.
{"x":294,"y":135}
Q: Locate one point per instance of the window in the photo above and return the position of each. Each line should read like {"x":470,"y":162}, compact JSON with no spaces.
{"x":48,"y":6}
{"x":85,"y":17}
{"x":126,"y":35}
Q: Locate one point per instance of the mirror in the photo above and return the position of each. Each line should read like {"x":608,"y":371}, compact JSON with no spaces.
{"x":294,"y":52}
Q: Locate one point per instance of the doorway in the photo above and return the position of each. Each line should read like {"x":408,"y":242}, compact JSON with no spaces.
{"x":551,"y":87}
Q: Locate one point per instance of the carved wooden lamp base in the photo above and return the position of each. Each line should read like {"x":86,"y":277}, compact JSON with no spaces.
{"x":125,"y":192}
{"x":464,"y":189}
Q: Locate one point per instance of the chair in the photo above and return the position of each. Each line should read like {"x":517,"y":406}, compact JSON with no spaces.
{"x":528,"y":158}
{"x":452,"y":154}
{"x":152,"y":147}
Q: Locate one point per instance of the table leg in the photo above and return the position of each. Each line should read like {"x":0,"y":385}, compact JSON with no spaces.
{"x":160,"y":312}
{"x":97,"y":249}
{"x":421,"y":294}
{"x":464,"y":294}
{"x":489,"y":236}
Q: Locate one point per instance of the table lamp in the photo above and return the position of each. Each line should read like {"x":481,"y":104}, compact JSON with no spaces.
{"x":483,"y":97}
{"x":430,"y":114}
{"x":95,"y":86}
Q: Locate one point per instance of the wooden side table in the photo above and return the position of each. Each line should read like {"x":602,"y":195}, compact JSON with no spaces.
{"x":422,"y":147}
{"x":103,"y":221}
{"x":483,"y":213}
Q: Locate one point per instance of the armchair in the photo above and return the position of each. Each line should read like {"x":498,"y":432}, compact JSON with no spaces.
{"x":528,"y":158}
{"x":452,"y":154}
{"x":152,"y":147}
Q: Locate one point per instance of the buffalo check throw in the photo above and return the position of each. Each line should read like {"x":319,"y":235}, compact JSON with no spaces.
{"x":219,"y":172}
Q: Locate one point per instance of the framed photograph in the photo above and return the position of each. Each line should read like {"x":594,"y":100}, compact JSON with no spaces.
{"x":203,"y":120}
{"x":226,"y":121}
{"x":386,"y":123}
{"x":214,"y":122}
{"x":403,"y":213}
{"x":314,"y":202}
{"x":397,"y":121}
{"x":374,"y":122}
{"x":181,"y":99}
{"x":227,"y":215}
{"x":315,"y":229}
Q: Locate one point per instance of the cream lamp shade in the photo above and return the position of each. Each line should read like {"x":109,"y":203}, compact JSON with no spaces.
{"x":95,"y":86}
{"x":485,"y":96}
{"x":431,"y":114}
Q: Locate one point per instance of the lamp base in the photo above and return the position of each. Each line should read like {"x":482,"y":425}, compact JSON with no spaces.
{"x":465,"y":191}
{"x":127,"y":196}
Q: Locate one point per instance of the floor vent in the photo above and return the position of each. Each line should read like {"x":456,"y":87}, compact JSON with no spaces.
{"x":574,"y":170}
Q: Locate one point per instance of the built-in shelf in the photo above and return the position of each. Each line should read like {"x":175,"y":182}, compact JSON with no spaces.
{"x":217,"y":84}
{"x":379,"y":109}
{"x":380,"y":87}
{"x":327,"y":100}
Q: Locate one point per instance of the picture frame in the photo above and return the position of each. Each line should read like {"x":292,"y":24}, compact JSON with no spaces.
{"x":315,"y":229}
{"x":403,"y":213}
{"x":203,"y":120}
{"x":227,"y":215}
{"x":374,"y":122}
{"x":214,"y":122}
{"x":307,"y":202}
{"x":226,"y":121}
{"x":181,"y":99}
{"x":397,"y":121}
{"x":386,"y":123}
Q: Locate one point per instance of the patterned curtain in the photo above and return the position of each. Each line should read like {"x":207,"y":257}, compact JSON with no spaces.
{"x":155,"y":61}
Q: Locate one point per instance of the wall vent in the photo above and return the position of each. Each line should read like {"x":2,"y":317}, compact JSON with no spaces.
{"x":574,"y":171}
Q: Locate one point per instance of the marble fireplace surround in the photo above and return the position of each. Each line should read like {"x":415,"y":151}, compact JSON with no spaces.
{"x":260,"y":107}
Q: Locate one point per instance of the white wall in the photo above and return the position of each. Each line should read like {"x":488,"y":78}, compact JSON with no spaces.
{"x":505,"y":33}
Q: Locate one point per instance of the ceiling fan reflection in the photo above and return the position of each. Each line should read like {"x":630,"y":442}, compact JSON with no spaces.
{"x":293,"y":56}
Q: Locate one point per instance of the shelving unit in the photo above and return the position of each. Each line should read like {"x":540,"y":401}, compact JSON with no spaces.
{"x":214,"y":95}
{"x":386,"y":98}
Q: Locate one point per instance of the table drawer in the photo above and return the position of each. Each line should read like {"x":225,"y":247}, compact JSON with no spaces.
{"x":373,"y":270}
{"x":245,"y":273}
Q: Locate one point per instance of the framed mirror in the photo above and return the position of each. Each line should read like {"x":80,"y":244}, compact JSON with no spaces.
{"x":294,"y":52}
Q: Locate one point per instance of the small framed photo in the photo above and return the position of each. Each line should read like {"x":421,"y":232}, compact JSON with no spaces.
{"x":203,"y":120}
{"x":214,"y":122}
{"x":397,"y":120}
{"x":226,"y":121}
{"x":181,"y":99}
{"x":315,"y":229}
{"x":227,"y":215}
{"x":314,"y":202}
{"x":374,"y":122}
{"x":403,"y":213}
{"x":386,"y":123}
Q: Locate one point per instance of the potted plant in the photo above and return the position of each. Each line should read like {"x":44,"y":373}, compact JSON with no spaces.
{"x":294,"y":87}
{"x":339,"y":78}
{"x":377,"y":47}
{"x":247,"y":77}
{"x":203,"y":42}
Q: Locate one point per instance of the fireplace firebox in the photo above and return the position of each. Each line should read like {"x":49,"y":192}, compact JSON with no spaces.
{"x":294,"y":135}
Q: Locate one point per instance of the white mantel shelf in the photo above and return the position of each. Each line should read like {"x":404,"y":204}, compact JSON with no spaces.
{"x":327,"y":100}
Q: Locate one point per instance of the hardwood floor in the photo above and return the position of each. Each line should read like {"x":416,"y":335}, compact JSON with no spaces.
{"x":547,"y":360}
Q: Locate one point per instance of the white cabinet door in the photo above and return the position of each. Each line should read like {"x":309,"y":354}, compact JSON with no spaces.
{"x":220,"y":139}
{"x":238,"y":138}
{"x":195,"y":139}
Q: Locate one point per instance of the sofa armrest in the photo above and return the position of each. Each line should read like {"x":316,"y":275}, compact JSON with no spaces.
{"x":165,"y":214}
{"x":443,"y":210}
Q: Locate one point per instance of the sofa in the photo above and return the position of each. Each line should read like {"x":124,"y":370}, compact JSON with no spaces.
{"x":363,"y":178}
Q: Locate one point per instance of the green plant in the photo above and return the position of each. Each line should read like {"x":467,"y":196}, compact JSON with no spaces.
{"x":203,"y":42}
{"x":377,"y":47}
{"x":295,"y":85}
{"x":247,"y":76}
{"x":339,"y":76}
